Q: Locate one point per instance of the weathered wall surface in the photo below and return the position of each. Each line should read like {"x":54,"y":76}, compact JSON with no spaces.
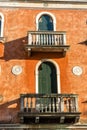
{"x":17,"y":22}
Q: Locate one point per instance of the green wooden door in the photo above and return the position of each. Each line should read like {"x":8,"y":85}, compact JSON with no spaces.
{"x":47,"y":78}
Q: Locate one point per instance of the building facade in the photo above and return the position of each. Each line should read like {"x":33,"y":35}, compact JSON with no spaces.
{"x":43,"y":65}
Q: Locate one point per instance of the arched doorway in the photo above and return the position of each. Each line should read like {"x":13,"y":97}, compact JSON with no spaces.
{"x":47,"y":79}
{"x":45,"y":23}
{"x":54,"y":70}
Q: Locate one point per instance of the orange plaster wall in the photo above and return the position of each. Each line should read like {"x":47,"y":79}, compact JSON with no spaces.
{"x":17,"y":23}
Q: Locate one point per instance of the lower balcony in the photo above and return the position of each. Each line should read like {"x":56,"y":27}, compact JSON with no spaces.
{"x":49,"y":108}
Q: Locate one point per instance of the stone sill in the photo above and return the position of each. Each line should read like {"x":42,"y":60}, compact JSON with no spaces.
{"x":44,"y":126}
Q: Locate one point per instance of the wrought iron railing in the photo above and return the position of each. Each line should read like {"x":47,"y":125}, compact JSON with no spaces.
{"x":49,"y":103}
{"x":46,"y":38}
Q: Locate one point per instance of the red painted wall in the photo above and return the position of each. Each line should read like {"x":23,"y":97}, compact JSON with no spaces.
{"x":17,"y":22}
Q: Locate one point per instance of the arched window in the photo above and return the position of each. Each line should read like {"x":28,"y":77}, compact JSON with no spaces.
{"x":1,"y":24}
{"x":45,"y":21}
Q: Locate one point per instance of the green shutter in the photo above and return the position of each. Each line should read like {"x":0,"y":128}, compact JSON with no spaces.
{"x":45,"y":23}
{"x":47,"y":78}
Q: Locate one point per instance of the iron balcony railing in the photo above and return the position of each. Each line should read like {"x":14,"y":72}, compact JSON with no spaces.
{"x":46,"y":38}
{"x":49,"y":103}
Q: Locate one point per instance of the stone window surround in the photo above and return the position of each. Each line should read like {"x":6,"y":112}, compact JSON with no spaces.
{"x":57,"y":73}
{"x":2,"y":24}
{"x":47,"y":13}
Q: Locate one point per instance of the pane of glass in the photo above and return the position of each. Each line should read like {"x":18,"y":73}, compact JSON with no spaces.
{"x":45,"y":23}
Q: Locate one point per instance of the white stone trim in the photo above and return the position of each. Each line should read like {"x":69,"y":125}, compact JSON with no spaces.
{"x":2,"y":24}
{"x":57,"y":73}
{"x":68,"y":4}
{"x":48,"y":13}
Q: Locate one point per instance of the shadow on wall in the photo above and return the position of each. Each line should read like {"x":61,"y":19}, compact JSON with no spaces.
{"x":16,"y":50}
{"x":9,"y":111}
{"x":84,"y":42}
{"x":85,"y":108}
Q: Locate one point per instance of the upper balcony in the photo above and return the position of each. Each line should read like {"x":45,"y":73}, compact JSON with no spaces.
{"x":46,"y":41}
{"x":49,"y":108}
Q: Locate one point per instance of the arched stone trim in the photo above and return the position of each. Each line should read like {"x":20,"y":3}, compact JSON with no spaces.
{"x":57,"y":73}
{"x":2,"y":24}
{"x":48,"y":13}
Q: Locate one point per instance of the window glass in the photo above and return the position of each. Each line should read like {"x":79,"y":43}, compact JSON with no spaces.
{"x":45,"y":23}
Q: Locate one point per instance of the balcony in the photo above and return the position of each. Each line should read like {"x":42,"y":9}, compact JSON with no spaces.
{"x":49,"y":108}
{"x":44,"y":41}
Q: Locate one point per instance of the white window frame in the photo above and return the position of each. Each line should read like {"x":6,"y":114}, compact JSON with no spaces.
{"x":46,"y":13}
{"x":2,"y":24}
